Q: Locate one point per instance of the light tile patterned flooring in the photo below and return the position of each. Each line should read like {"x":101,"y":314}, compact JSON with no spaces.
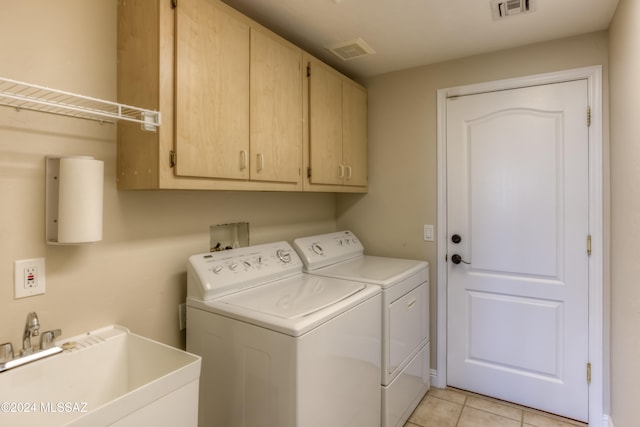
{"x":456,"y":408}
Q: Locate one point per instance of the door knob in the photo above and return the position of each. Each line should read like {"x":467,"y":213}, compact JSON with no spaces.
{"x":457,"y":259}
{"x":456,"y":238}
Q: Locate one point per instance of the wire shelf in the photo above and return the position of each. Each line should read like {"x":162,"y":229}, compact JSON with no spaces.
{"x":20,"y":95}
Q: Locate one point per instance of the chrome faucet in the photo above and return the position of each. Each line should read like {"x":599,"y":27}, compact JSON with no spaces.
{"x":31,"y":329}
{"x":29,"y":354}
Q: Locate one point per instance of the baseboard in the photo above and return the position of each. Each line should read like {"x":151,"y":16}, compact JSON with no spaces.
{"x":608,"y":421}
{"x":434,"y":377}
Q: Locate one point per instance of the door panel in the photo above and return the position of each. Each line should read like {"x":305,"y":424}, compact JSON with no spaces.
{"x":533,"y":331}
{"x":276,"y":109}
{"x":512,"y":179}
{"x":212,"y":92}
{"x":354,"y":149}
{"x":325,"y":125}
{"x":517,"y":193}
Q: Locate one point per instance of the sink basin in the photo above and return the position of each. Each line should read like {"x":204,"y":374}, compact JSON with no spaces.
{"x":105,"y":377}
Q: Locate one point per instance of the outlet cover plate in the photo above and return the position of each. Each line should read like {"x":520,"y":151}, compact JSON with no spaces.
{"x":428,"y":233}
{"x":29,"y":277}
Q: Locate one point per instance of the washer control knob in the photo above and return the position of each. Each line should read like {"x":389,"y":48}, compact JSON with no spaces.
{"x":217,"y":269}
{"x":317,"y":248}
{"x":284,"y":255}
{"x":247,"y":264}
{"x":233,"y":266}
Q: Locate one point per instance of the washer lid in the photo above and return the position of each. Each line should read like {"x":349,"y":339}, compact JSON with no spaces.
{"x":295,"y":297}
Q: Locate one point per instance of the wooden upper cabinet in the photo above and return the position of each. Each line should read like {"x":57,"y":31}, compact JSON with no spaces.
{"x":276,"y":109}
{"x":236,"y":107}
{"x":212,"y":92}
{"x":325,"y":125}
{"x":354,"y":133}
{"x":337,"y":142}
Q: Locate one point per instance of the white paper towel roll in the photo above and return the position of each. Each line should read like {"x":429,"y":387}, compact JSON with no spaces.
{"x":80,"y":200}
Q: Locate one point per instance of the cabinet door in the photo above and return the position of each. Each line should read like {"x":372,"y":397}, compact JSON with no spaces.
{"x":325,"y":125}
{"x":212,"y":92}
{"x":354,"y":135}
{"x":276,"y":109}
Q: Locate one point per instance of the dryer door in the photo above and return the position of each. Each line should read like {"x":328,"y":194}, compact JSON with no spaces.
{"x":408,"y":327}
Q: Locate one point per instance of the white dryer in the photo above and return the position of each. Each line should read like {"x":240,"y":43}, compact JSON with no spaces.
{"x":405,"y":375}
{"x":281,"y":348}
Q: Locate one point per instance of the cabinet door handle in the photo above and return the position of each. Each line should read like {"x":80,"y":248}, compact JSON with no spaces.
{"x":260,"y":158}
{"x":340,"y":171}
{"x":411,"y":303}
{"x":243,"y":159}
{"x":348,"y":172}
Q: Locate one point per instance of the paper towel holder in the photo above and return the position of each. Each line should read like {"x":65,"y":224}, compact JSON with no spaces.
{"x":73,"y":200}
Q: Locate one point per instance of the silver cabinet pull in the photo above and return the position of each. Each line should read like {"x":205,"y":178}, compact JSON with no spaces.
{"x":340,"y":171}
{"x":348,"y":172}
{"x":260,"y":158}
{"x":243,"y":159}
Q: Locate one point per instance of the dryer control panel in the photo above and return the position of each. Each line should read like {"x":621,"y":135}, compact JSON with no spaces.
{"x":212,"y":275}
{"x":326,"y":249}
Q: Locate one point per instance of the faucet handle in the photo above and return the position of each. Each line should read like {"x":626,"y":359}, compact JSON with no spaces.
{"x":46,"y":338}
{"x":6,"y":352}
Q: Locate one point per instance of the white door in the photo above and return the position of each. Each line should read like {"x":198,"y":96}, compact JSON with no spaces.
{"x":517,"y":197}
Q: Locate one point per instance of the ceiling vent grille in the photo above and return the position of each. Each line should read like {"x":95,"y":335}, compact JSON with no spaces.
{"x":504,"y":8}
{"x":350,"y":50}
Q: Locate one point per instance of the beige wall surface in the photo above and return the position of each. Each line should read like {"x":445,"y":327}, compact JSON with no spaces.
{"x":402,"y":144}
{"x":624,"y":60}
{"x":137,"y":275}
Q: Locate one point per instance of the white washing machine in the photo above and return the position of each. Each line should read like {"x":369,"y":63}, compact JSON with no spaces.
{"x":405,"y":314}
{"x":281,"y":348}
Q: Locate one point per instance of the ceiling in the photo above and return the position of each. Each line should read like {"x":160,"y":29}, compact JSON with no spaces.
{"x":410,"y":33}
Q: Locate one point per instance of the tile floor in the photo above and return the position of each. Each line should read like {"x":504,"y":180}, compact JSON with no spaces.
{"x":456,"y":408}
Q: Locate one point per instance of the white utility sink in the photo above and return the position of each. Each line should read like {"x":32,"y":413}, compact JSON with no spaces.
{"x":102,"y":378}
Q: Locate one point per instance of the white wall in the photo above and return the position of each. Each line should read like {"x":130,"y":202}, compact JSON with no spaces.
{"x":136,"y":275}
{"x":624,"y":60}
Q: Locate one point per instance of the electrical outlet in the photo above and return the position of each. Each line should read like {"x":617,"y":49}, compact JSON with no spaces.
{"x":29,"y":277}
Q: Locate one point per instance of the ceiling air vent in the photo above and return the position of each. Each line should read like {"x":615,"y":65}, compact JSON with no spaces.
{"x":503,"y":8}
{"x":350,"y":50}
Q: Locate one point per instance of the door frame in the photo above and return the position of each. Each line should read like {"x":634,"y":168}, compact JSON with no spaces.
{"x":597,"y":298}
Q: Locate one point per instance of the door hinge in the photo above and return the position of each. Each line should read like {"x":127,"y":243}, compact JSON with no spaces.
{"x":309,"y":172}
{"x":308,"y":70}
{"x":172,"y":158}
{"x":588,"y":116}
{"x":174,"y":4}
{"x":589,"y":244}
{"x":588,"y":372}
